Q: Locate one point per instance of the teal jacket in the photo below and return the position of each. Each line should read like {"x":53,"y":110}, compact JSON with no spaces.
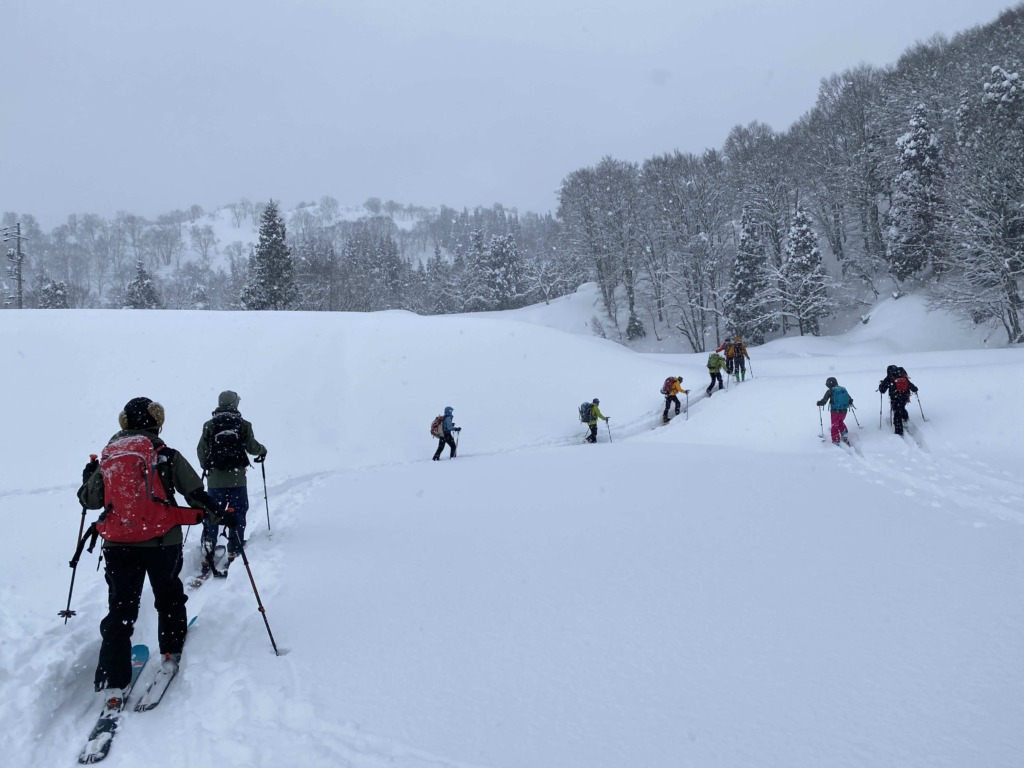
{"x":227,"y":478}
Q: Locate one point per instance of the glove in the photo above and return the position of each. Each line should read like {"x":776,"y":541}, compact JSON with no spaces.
{"x":228,"y":517}
{"x":685,"y":391}
{"x":90,"y":468}
{"x":200,"y":516}
{"x":457,"y":429}
{"x":261,"y":458}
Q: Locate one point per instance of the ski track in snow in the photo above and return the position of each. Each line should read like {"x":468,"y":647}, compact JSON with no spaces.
{"x":949,"y":480}
{"x":227,"y":609}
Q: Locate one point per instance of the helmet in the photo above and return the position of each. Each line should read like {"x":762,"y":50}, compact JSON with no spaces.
{"x":596,"y":401}
{"x":831,"y":382}
{"x":892,"y":370}
{"x":679,"y":378}
{"x":738,"y":339}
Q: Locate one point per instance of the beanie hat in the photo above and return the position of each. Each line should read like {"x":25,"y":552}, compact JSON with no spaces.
{"x":228,"y":399}
{"x":142,"y":413}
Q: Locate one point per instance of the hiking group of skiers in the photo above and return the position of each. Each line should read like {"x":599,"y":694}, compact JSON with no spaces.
{"x":734,"y":363}
{"x":134,"y":482}
{"x":896,"y":383}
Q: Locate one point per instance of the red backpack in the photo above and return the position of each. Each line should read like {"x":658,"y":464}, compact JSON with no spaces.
{"x":136,"y":505}
{"x":437,"y":427}
{"x":667,"y":386}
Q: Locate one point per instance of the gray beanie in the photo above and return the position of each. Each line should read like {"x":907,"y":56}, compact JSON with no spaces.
{"x":228,"y":399}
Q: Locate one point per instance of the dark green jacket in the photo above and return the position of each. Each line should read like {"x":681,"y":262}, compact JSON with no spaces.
{"x":227,"y":478}
{"x":177,"y":476}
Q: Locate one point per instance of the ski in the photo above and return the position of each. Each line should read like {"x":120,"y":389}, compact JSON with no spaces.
{"x":102,"y":734}
{"x":157,"y":687}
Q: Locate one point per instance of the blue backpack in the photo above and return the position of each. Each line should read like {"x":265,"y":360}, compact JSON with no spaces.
{"x":840,"y":398}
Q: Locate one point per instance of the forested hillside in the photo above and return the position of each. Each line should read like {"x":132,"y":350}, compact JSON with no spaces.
{"x":897,"y":177}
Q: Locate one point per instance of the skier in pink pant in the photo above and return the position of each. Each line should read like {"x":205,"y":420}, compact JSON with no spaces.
{"x":839,"y":401}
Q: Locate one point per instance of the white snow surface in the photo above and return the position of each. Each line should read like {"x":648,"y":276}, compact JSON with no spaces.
{"x":724,"y":591}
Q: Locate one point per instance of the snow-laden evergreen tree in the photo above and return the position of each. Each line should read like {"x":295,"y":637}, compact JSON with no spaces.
{"x":442,"y":298}
{"x":750,"y":298}
{"x":141,"y":293}
{"x":802,"y":281}
{"x":986,"y":220}
{"x":506,"y":272}
{"x":912,"y":239}
{"x":476,"y":283}
{"x":271,"y":283}
{"x":54,"y":295}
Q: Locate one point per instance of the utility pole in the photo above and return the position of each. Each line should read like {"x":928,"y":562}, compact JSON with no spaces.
{"x":17,"y":258}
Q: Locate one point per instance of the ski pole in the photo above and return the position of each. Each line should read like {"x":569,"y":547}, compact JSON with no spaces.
{"x":609,"y":427}
{"x":687,"y":406}
{"x":67,"y":613}
{"x":919,"y":406}
{"x":263,"y":467}
{"x":879,"y":410}
{"x":821,"y":424}
{"x":263,"y":611}
{"x":750,"y":365}
{"x":853,"y":410}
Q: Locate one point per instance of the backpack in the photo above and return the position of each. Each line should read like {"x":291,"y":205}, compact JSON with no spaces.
{"x":901,"y":382}
{"x":714,"y":361}
{"x":227,"y":447}
{"x":667,"y":386}
{"x":586,"y":412}
{"x":840,"y":398}
{"x":137,"y":506}
{"x":437,"y":427}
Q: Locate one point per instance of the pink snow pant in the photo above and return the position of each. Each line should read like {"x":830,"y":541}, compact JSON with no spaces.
{"x":838,"y":425}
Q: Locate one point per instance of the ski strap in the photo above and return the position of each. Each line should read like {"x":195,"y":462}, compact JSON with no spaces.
{"x":91,"y":534}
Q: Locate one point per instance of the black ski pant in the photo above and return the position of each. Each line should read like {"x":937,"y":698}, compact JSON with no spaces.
{"x":739,"y":366}
{"x":126,"y":569}
{"x":592,"y":437}
{"x":669,"y":399}
{"x":898,"y":407}
{"x":441,"y":443}
{"x":715,"y":376}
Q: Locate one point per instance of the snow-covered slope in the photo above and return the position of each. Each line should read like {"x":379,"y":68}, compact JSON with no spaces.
{"x":724,"y":591}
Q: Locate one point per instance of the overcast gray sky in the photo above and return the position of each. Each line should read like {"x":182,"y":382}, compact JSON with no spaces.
{"x":146,"y":107}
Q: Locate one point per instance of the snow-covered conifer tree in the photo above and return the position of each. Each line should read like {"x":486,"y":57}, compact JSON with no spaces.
{"x":802,"y":281}
{"x":141,"y":293}
{"x":750,"y":298}
{"x":54,"y":295}
{"x":912,"y":239}
{"x":271,"y":284}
